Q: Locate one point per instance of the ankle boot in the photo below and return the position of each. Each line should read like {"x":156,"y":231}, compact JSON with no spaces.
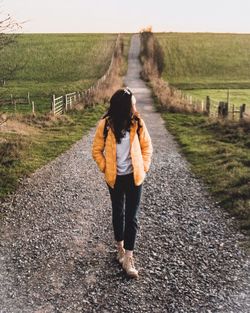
{"x":120,"y":255}
{"x":129,"y":267}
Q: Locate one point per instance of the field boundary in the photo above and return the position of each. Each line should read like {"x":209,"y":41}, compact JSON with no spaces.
{"x":63,"y":103}
{"x":175,"y":100}
{"x":14,"y":101}
{"x":213,"y":108}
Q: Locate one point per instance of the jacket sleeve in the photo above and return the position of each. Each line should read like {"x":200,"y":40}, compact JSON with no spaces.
{"x":98,"y":146}
{"x":146,"y":146}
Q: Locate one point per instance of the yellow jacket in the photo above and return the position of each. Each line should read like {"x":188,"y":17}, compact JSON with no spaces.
{"x":104,"y":152}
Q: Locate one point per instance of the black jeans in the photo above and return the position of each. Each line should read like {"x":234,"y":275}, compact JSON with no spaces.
{"x":125,"y":224}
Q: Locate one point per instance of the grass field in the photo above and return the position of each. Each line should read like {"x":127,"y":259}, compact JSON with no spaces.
{"x":207,"y":64}
{"x":55,"y":64}
{"x":219,"y":154}
{"x":38,"y":141}
{"x":203,"y":60}
{"x":28,"y":142}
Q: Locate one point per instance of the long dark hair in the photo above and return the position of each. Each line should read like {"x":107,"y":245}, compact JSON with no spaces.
{"x":119,"y":114}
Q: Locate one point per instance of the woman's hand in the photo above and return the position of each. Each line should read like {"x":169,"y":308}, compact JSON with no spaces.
{"x":133,"y":99}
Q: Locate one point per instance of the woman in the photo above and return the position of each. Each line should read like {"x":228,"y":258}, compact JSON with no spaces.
{"x":122,"y":150}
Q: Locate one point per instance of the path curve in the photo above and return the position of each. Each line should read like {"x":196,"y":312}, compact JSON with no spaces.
{"x":57,"y":247}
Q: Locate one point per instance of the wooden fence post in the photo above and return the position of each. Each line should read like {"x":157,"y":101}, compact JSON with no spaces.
{"x":66,"y":103}
{"x":228,"y":96}
{"x":28,"y":97}
{"x":202,"y":106}
{"x":208,"y":104}
{"x":223,"y":109}
{"x":242,"y":110}
{"x":190,"y":100}
{"x":11,"y":99}
{"x":33,"y":107}
{"x":53,"y":104}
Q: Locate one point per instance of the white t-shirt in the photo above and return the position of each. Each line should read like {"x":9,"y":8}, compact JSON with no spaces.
{"x":123,"y":157}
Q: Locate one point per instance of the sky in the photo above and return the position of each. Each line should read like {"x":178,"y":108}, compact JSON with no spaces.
{"x":115,"y":16}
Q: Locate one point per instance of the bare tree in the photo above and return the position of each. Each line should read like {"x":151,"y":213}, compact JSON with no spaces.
{"x":8,"y":37}
{"x":7,"y":28}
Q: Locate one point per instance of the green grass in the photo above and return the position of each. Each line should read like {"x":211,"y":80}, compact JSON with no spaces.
{"x":205,"y":60}
{"x":21,"y":155}
{"x":237,"y":96}
{"x":126,"y":38}
{"x":207,"y":64}
{"x":55,"y":64}
{"x":220,"y":155}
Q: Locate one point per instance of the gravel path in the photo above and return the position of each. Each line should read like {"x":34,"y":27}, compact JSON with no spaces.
{"x":58,"y":251}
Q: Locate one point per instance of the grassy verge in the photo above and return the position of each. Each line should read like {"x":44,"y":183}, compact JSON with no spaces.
{"x":39,"y":140}
{"x":218,"y":152}
{"x":220,"y":155}
{"x":126,"y":45}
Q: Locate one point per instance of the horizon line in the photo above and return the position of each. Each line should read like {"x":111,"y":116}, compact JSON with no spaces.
{"x":156,"y":32}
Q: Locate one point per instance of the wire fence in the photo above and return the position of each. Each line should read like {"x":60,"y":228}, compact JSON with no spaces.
{"x":215,"y":107}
